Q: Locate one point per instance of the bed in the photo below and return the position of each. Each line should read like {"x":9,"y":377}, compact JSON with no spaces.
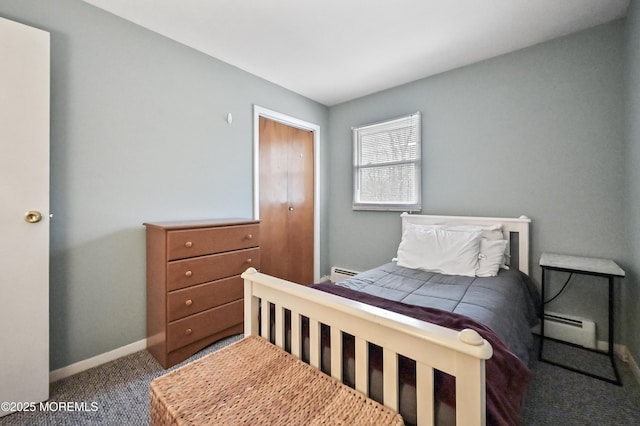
{"x":462,"y":353}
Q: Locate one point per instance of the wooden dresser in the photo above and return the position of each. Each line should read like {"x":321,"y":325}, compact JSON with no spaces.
{"x":194,"y":289}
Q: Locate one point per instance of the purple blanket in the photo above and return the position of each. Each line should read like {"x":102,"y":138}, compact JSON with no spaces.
{"x":506,"y":375}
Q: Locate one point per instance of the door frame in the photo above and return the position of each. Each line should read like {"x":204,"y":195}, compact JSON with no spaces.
{"x":288,"y":120}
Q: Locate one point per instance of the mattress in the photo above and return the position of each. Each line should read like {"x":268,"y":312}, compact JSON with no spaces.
{"x":506,"y":303}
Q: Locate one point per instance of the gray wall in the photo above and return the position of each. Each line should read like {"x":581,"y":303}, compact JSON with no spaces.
{"x":538,"y":132}
{"x":138,"y":133}
{"x":632,"y":286}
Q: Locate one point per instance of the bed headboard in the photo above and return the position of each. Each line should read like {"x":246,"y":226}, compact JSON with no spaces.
{"x":516,"y":230}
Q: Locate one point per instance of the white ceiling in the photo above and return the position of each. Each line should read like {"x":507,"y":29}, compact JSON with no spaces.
{"x":336,"y":50}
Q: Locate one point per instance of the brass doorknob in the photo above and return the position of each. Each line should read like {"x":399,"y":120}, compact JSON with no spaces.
{"x":32,"y":216}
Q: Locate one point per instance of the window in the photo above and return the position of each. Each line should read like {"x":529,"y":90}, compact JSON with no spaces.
{"x":386,"y":165}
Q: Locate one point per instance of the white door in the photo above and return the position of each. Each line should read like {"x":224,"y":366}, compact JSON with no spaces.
{"x":24,"y":187}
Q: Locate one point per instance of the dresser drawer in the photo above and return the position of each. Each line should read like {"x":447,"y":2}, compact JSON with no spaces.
{"x":197,"y":242}
{"x":188,"y":272}
{"x":203,"y":324}
{"x":188,"y":301}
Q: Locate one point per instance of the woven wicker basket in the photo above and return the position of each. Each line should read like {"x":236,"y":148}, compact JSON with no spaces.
{"x":253,"y":382}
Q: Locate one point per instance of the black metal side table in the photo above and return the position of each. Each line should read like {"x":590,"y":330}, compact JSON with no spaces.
{"x":604,"y":268}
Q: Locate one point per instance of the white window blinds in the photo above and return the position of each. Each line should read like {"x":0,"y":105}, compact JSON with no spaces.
{"x":387,"y":165}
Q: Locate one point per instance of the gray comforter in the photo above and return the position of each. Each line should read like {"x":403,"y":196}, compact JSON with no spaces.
{"x":506,"y":303}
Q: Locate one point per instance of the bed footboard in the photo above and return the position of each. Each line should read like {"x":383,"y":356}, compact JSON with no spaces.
{"x":459,"y":354}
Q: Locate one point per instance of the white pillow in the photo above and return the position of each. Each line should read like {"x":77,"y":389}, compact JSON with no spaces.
{"x":491,"y":257}
{"x":490,"y":232}
{"x":440,"y":250}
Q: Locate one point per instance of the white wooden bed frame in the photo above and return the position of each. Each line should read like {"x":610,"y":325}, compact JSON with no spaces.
{"x":460,"y":354}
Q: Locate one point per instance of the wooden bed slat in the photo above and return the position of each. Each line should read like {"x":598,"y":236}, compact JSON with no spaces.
{"x":279,"y":326}
{"x":424,"y":394}
{"x":362,"y":365}
{"x":296,"y":333}
{"x":470,"y":391}
{"x":336,"y":353}
{"x":251,"y":310}
{"x":315,"y":346}
{"x":265,"y":319}
{"x":390,"y":378}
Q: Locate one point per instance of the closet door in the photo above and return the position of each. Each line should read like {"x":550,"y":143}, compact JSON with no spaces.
{"x":24,"y":214}
{"x":286,"y":201}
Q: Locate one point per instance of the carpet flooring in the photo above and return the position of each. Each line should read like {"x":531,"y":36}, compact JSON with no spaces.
{"x":117,"y":393}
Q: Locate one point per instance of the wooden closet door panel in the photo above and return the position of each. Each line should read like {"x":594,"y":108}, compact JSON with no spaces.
{"x":301,"y":205}
{"x":286,"y":201}
{"x":273,"y":197}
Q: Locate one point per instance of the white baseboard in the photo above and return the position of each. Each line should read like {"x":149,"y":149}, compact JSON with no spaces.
{"x":70,"y":370}
{"x":618,"y":349}
{"x":632,"y":364}
{"x":625,"y":356}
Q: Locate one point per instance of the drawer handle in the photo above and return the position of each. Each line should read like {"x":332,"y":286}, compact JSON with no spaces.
{"x":188,"y":244}
{"x":188,"y":302}
{"x":188,"y":274}
{"x":249,"y":237}
{"x":249,"y":260}
{"x":188,"y":331}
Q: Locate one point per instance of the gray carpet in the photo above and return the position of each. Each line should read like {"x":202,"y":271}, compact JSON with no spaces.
{"x":120,"y":388}
{"x":119,"y":393}
{"x":560,"y":397}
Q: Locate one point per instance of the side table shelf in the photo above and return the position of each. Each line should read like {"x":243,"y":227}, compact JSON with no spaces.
{"x":604,"y":268}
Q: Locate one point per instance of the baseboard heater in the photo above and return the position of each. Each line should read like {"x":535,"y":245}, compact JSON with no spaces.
{"x":569,"y":328}
{"x":339,"y":274}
